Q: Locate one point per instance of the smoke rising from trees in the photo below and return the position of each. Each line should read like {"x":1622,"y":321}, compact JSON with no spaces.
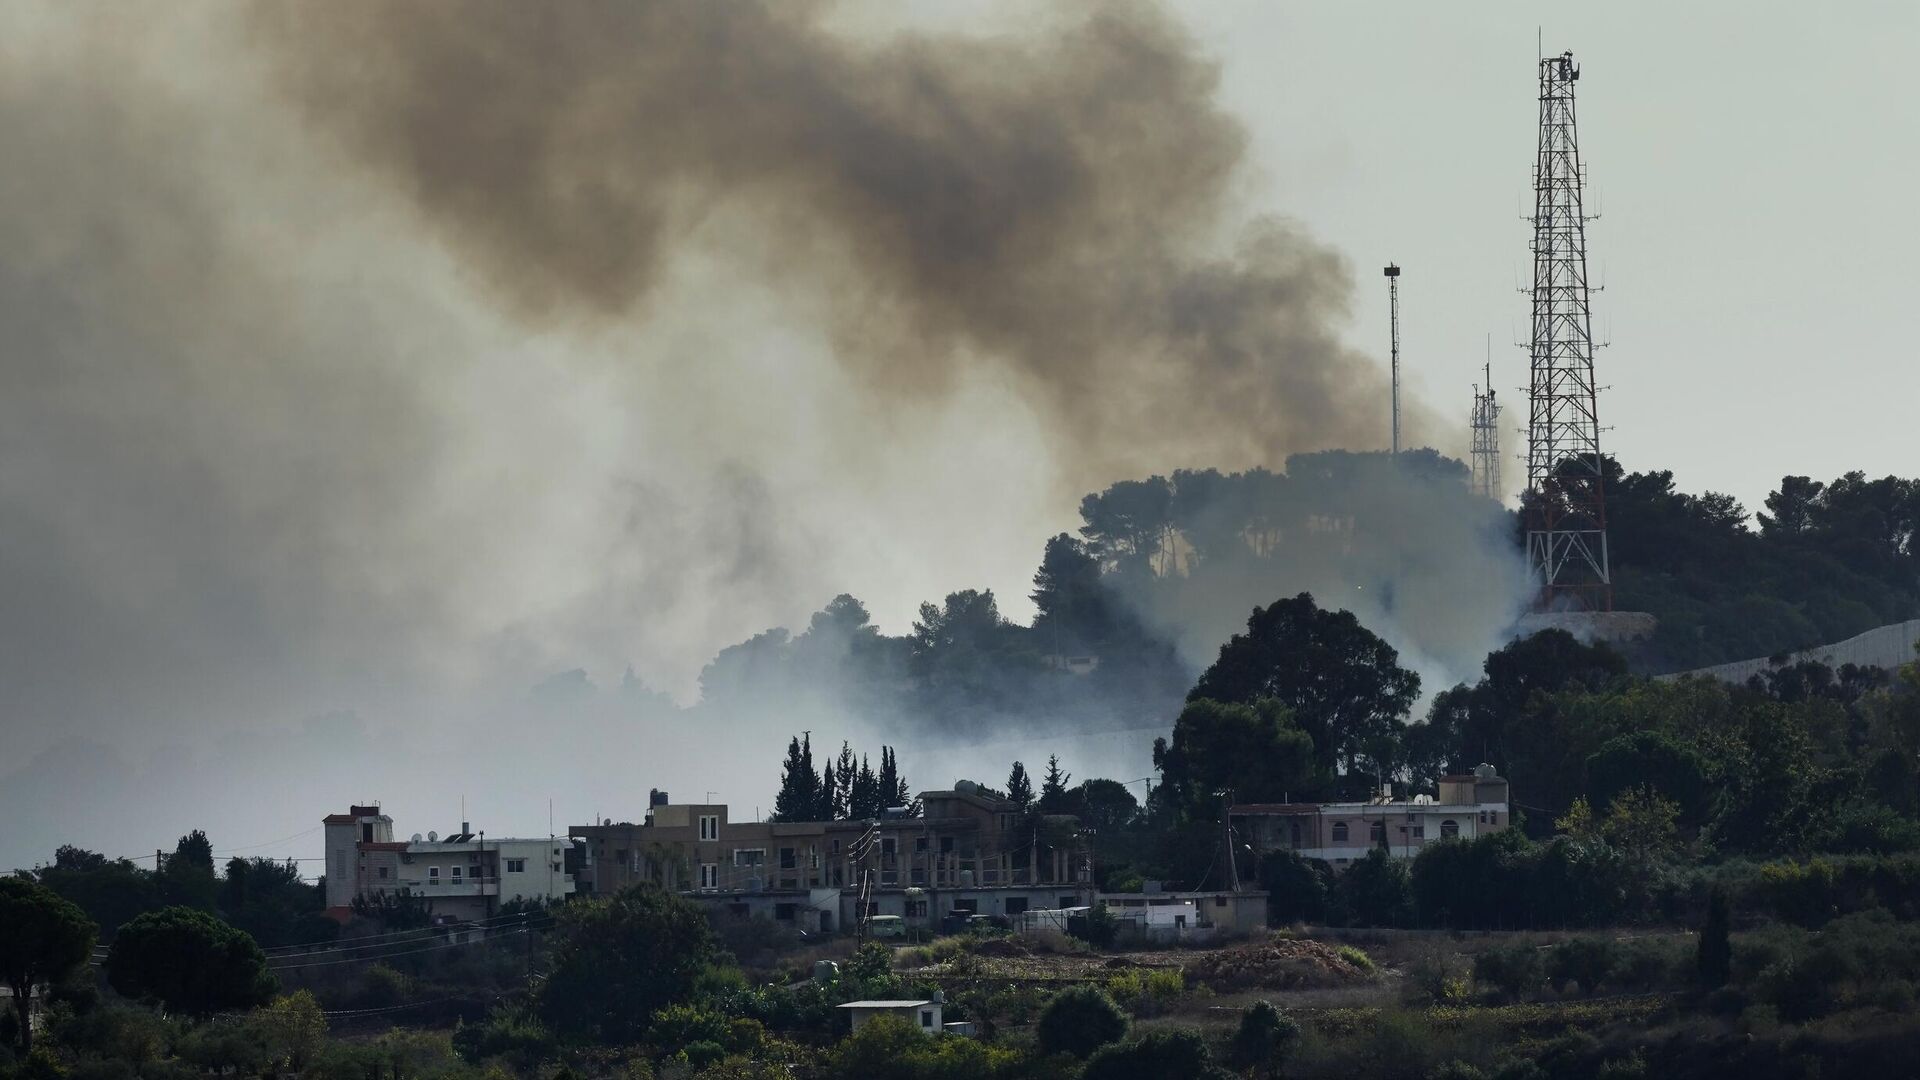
{"x":366,"y":365}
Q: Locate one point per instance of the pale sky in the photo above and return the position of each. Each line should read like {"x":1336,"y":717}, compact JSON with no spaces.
{"x":287,"y":494}
{"x":1755,"y":166}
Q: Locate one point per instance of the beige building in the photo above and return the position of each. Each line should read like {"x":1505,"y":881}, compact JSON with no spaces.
{"x":1467,"y":806}
{"x":966,"y":854}
{"x":463,"y":876}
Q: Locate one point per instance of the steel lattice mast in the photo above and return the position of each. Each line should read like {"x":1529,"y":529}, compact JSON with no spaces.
{"x":1566,"y":508}
{"x":1393,"y":308}
{"x":1486,"y":441}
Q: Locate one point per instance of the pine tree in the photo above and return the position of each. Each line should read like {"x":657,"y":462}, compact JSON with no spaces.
{"x":893,"y":790}
{"x":864,"y":802}
{"x":829,"y":808}
{"x":1020,"y":786}
{"x":843,"y":804}
{"x":1053,"y":788}
{"x":889,"y":780}
{"x":799,"y":785}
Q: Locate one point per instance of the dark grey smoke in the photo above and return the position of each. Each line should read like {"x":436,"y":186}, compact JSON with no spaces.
{"x":1046,"y":206}
{"x":378,"y":361}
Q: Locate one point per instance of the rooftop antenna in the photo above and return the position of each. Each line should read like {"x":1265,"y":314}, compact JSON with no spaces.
{"x":1393,"y":318}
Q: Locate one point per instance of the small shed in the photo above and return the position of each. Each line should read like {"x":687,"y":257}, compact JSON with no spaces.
{"x":924,"y":1015}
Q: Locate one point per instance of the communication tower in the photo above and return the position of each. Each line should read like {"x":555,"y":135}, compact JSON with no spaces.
{"x":1565,"y":503}
{"x":1486,"y":441}
{"x":1393,"y":320}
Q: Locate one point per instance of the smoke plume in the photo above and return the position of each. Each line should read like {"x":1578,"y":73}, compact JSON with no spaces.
{"x":366,"y":364}
{"x":1046,"y":207}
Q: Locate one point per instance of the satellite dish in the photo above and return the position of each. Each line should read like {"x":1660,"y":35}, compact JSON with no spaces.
{"x":432,"y":837}
{"x":416,"y":838}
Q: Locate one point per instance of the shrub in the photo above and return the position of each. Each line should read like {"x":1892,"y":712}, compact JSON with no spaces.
{"x":509,"y":1032}
{"x":872,"y":960}
{"x":1079,"y":1021}
{"x":1511,"y":972}
{"x":1803,"y":893}
{"x":1584,"y":962}
{"x":1098,"y":928}
{"x":1358,"y":957}
{"x":1160,"y":1056}
{"x":1264,"y":1039}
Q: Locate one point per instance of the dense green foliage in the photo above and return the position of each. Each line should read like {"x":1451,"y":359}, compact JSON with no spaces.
{"x":617,"y":961}
{"x":43,"y":938}
{"x":189,"y":962}
{"x":1078,"y":1021}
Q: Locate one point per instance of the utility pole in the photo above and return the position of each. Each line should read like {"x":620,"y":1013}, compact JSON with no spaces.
{"x":1226,"y":826}
{"x":1565,"y":506}
{"x":1393,"y":321}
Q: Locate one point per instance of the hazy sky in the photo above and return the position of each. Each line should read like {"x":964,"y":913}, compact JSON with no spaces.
{"x":313,"y":459}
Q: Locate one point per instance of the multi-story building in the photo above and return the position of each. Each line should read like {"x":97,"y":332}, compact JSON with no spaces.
{"x":969,"y":852}
{"x":1467,"y":806}
{"x":464,"y":876}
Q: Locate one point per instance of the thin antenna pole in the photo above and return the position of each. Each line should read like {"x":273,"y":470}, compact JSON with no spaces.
{"x":1392,"y":273}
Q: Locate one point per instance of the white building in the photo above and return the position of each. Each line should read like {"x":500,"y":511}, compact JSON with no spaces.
{"x":924,"y":1015}
{"x":462,"y":876}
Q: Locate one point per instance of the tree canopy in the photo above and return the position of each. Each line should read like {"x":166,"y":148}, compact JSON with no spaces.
{"x":190,"y":962}
{"x":616,"y":961}
{"x":1342,"y":685}
{"x":42,"y":938}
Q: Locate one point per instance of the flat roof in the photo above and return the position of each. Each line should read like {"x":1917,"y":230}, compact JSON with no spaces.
{"x":884,"y":1004}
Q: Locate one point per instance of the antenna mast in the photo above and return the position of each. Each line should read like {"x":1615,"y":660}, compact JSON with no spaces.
{"x":1565,"y":503}
{"x":1393,"y":315}
{"x":1486,"y":440}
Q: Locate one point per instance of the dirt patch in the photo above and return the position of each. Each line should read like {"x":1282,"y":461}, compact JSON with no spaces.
{"x":1275,"y":964}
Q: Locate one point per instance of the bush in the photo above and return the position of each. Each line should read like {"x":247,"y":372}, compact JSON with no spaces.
{"x":509,"y":1032}
{"x":1145,"y":991}
{"x":1162,"y":1055}
{"x":1358,"y":957}
{"x":1584,"y":962}
{"x":872,"y":960}
{"x":1079,"y":1021}
{"x":1264,"y":1039}
{"x":1098,"y":927}
{"x":1511,"y":972}
{"x":1802,"y":893}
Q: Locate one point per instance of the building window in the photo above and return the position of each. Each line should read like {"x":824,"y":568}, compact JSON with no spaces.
{"x":433,"y":874}
{"x":516,"y":866}
{"x":1419,"y":832}
{"x":709,"y":875}
{"x":1449,"y":829}
{"x":926,"y":1018}
{"x":786,"y":858}
{"x":754,"y":856}
{"x":1219,"y":901}
{"x":1296,"y":833}
{"x":968,"y":907}
{"x":887,"y":845}
{"x":456,"y":873}
{"x":1493,"y":817}
{"x":785,"y":912}
{"x":1016,"y":905}
{"x":946,"y":845}
{"x":1377,"y":833}
{"x":1339,"y":832}
{"x":709,"y":826}
{"x":1067,"y":901}
{"x":916,"y":909}
{"x":383,"y":873}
